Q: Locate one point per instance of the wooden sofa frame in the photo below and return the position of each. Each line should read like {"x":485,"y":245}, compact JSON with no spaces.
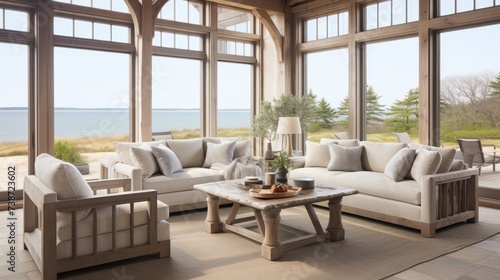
{"x":40,"y":209}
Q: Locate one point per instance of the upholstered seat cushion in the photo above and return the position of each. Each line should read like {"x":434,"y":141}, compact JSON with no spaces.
{"x":182,"y":181}
{"x":104,"y":220}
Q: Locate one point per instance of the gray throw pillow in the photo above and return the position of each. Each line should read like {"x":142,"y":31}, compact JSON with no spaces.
{"x":400,"y":164}
{"x":219,"y":153}
{"x":345,"y":158}
{"x":143,"y":158}
{"x":426,"y":163}
{"x":168,"y":162}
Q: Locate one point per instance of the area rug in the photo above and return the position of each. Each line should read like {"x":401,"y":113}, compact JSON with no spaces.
{"x":371,"y":250}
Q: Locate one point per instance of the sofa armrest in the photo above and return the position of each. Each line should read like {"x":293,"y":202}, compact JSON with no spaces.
{"x":449,"y":194}
{"x":132,"y":172}
{"x":298,"y":162}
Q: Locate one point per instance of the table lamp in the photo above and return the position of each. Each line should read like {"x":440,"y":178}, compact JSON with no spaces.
{"x":288,"y":126}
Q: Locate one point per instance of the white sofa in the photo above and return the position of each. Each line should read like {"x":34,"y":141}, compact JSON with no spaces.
{"x":411,"y":185}
{"x":179,"y":164}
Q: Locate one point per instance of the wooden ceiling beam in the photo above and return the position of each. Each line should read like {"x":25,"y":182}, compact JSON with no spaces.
{"x":271,"y":6}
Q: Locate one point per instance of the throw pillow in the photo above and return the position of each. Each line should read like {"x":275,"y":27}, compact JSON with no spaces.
{"x":168,"y":162}
{"x":317,"y":155}
{"x":376,"y":155}
{"x":123,"y":149}
{"x":241,"y":149}
{"x":189,"y":151}
{"x":64,"y":179}
{"x":142,"y":157}
{"x":345,"y":143}
{"x":447,"y":156}
{"x":219,"y":153}
{"x":345,"y":158}
{"x":426,"y":163}
{"x":400,"y":164}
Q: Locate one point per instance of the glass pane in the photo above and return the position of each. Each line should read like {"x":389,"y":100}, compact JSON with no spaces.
{"x":371,"y":17}
{"x":327,"y":78}
{"x":119,"y":6}
{"x":1,"y":19}
{"x":465,"y":5}
{"x":446,"y":7}
{"x":240,"y":48}
{"x":157,"y":39}
{"x":63,"y":26}
{"x":195,"y":13}
{"x":333,"y":26}
{"x":102,"y":4}
{"x":176,"y":96}
{"x":181,"y":10}
{"x":322,"y":28}
{"x":484,"y":4}
{"x":311,"y":31}
{"x":91,"y":99}
{"x":234,"y":97}
{"x":15,"y":20}
{"x":235,"y":20}
{"x":120,"y":34}
{"x":181,"y":41}
{"x":248,"y":49}
{"x":413,"y":10}
{"x":167,"y":12}
{"x":86,"y":3}
{"x":83,"y":29}
{"x":384,"y":14}
{"x":398,"y":11}
{"x":391,"y":107}
{"x":230,"y":47}
{"x":167,"y":40}
{"x":13,"y":112}
{"x":343,"y":23}
{"x":195,"y":43}
{"x":102,"y":31}
{"x":469,"y":86}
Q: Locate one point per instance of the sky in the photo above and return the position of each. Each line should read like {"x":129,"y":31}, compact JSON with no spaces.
{"x":102,"y":78}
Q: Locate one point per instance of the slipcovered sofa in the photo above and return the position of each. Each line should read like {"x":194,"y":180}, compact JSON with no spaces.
{"x":172,"y":167}
{"x":412,"y":185}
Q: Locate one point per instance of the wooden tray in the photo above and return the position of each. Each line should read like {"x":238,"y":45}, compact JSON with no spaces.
{"x":265,"y":192}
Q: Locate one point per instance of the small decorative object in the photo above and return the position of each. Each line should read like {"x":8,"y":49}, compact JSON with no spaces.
{"x":280,"y":164}
{"x":269,"y":152}
{"x":270,"y":178}
{"x":304,"y":182}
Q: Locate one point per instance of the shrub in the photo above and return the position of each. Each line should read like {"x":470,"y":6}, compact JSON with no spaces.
{"x":67,"y":152}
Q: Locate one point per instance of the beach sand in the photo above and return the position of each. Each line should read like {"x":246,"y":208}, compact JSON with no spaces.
{"x":21,"y":164}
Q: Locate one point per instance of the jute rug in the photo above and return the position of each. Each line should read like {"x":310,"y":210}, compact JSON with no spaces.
{"x":371,"y":250}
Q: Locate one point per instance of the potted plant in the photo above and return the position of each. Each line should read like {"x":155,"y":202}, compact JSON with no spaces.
{"x":280,"y":164}
{"x":65,"y":151}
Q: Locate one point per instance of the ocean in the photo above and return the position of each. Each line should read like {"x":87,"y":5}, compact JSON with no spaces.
{"x":74,"y":123}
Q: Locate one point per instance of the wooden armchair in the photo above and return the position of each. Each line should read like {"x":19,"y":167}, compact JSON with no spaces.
{"x":68,"y":234}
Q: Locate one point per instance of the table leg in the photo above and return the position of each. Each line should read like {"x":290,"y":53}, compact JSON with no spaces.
{"x":335,"y":230}
{"x":271,"y":247}
{"x":213,"y":223}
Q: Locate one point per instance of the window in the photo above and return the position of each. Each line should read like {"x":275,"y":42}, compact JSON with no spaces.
{"x":388,"y":13}
{"x":14,"y":20}
{"x":176,"y":96}
{"x":235,"y":20}
{"x":91,"y":100}
{"x":91,"y":30}
{"x":235,"y":48}
{"x":182,"y":11}
{"x":391,"y":91}
{"x":13,"y":112}
{"x":110,"y":5}
{"x":329,"y":26}
{"x":235,"y":91}
{"x":449,"y":7}
{"x":327,"y":78}
{"x":178,"y":41}
{"x":470,"y":85}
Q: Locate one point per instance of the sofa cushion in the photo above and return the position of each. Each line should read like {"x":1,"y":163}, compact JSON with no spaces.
{"x":426,"y":163}
{"x":218,"y":140}
{"x":182,"y":181}
{"x":219,"y":153}
{"x":345,"y":143}
{"x":168,"y":162}
{"x":344,"y":158}
{"x":143,"y":158}
{"x":123,"y":149}
{"x":317,"y":155}
{"x":400,"y":164}
{"x":241,"y":149}
{"x":375,"y":155}
{"x":189,"y":151}
{"x":456,"y":165}
{"x":63,"y":178}
{"x":447,"y":156}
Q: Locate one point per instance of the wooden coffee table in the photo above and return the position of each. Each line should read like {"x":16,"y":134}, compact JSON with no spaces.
{"x":267,"y":214}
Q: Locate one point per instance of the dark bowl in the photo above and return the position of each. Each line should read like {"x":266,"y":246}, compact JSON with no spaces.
{"x":304,"y":182}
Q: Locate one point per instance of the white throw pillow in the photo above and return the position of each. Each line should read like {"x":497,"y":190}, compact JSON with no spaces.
{"x":241,"y":149}
{"x":400,"y":164}
{"x":189,"y":151}
{"x":426,"y":163}
{"x":376,"y":155}
{"x":447,"y":156}
{"x":123,"y":149}
{"x":64,"y":179}
{"x":168,"y":162}
{"x":345,"y":143}
{"x":317,"y":155}
{"x":344,"y":158}
{"x":219,"y":153}
{"x":142,"y":157}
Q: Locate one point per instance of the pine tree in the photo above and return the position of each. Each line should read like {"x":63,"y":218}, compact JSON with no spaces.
{"x":495,"y":86}
{"x":325,"y":114}
{"x":404,"y":113}
{"x":374,"y":110}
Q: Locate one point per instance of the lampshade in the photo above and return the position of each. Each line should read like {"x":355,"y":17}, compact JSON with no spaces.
{"x":289,"y":125}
